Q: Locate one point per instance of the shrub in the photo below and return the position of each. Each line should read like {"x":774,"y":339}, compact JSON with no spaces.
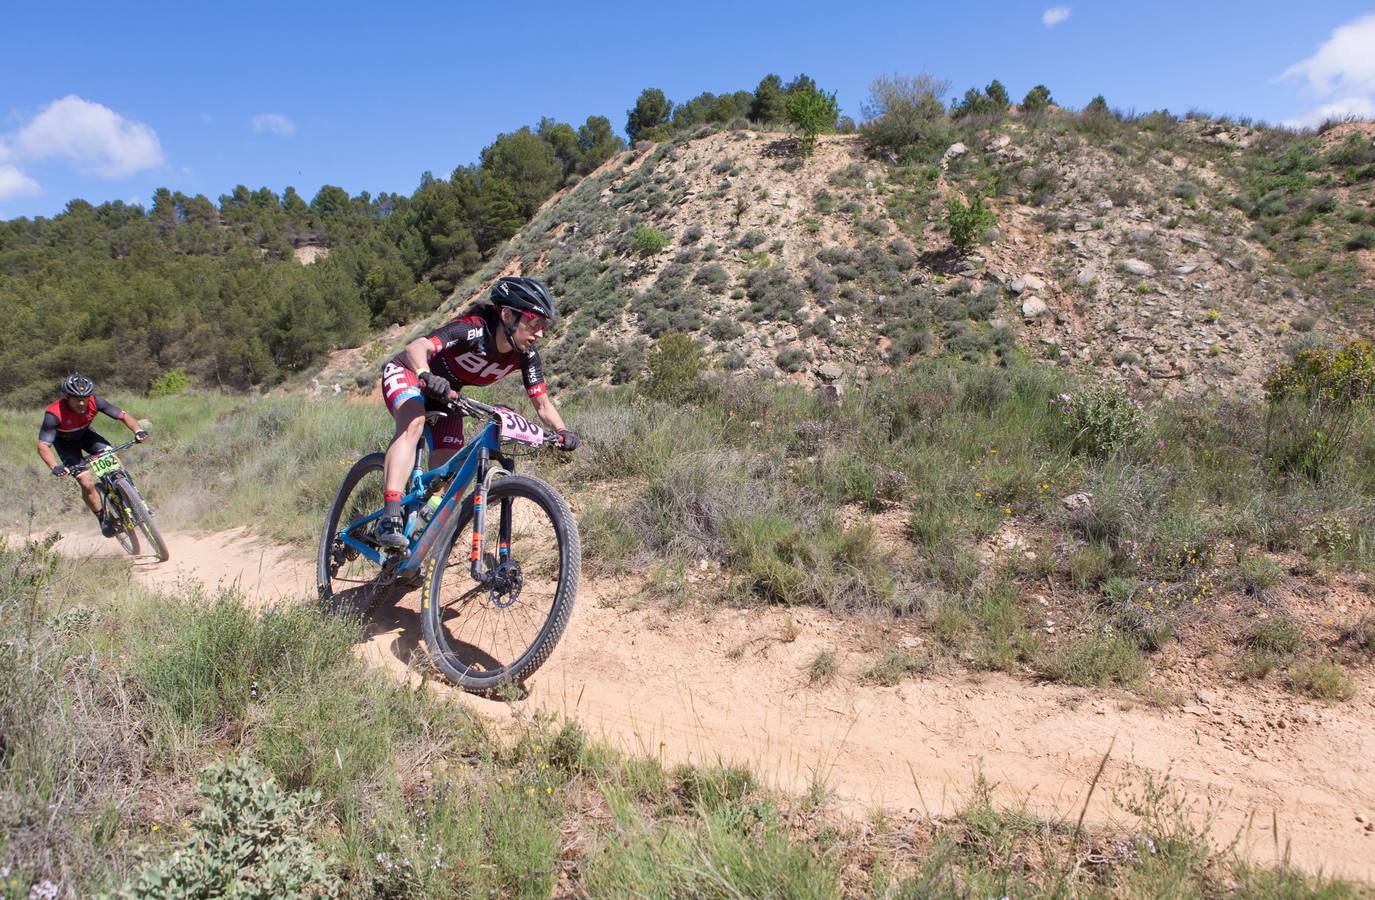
{"x":905,"y":116}
{"x":1311,"y":406}
{"x":647,"y":241}
{"x":692,"y":234}
{"x":752,"y":239}
{"x":968,"y":222}
{"x":712,"y":276}
{"x":1037,"y":100}
{"x":813,"y":112}
{"x":1321,"y":679}
{"x":674,"y":366}
{"x":1099,"y":420}
{"x":1362,"y":240}
{"x":170,"y":383}
{"x":250,"y":840}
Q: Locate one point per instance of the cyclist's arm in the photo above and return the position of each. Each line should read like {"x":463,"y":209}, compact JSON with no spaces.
{"x":47,"y":432}
{"x":418,"y":353}
{"x":45,"y":453}
{"x":114,"y":412}
{"x":547,"y":412}
{"x":532,"y":372}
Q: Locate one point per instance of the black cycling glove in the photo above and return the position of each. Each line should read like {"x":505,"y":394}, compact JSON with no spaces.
{"x":568,"y":440}
{"x":436,"y":386}
{"x":59,"y":471}
{"x":140,"y":436}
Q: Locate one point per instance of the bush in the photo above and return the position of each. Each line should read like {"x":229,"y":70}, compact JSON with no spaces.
{"x":692,"y":234}
{"x":1311,"y":406}
{"x":1099,"y":420}
{"x":1362,"y":240}
{"x":674,"y":367}
{"x":1037,"y":100}
{"x":906,"y":116}
{"x":170,"y":383}
{"x":647,"y":241}
{"x":968,"y":222}
{"x":752,"y":239}
{"x":813,"y":112}
{"x":250,"y":840}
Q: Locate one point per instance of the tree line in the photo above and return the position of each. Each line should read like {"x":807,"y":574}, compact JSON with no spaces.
{"x":125,"y":293}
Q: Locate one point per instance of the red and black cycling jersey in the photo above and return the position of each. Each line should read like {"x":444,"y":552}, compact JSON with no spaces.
{"x":465,"y":352}
{"x":62,"y":423}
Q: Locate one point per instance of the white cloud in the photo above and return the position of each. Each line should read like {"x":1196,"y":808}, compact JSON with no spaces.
{"x":277,"y":123}
{"x":94,"y":138}
{"x":1344,"y":64}
{"x":1054,"y":16}
{"x":13,"y":183}
{"x":1359,"y":107}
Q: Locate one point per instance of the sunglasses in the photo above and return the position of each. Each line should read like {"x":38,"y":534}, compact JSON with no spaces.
{"x":537,"y":321}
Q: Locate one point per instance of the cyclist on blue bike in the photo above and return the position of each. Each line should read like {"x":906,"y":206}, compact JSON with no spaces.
{"x":487,"y":343}
{"x":66,"y":434}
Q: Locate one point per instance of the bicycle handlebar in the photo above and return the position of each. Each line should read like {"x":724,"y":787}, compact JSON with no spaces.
{"x":467,"y":406}
{"x":86,"y":463}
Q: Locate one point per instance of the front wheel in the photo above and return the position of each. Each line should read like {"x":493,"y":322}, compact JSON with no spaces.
{"x":349,"y":583}
{"x":117,"y":512}
{"x":137,"y":519}
{"x":483,"y":635}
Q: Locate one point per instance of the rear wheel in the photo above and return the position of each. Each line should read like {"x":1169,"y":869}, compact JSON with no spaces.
{"x":138,"y":520}
{"x":498,"y":632}
{"x":350,"y":583}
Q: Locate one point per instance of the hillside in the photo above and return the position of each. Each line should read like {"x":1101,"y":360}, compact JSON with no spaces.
{"x":1179,"y":256}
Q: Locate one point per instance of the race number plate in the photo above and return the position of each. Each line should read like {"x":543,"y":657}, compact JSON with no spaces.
{"x":104,"y":464}
{"x":515,"y":427}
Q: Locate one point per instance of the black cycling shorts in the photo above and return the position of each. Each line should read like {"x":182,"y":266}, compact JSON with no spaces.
{"x":69,"y":450}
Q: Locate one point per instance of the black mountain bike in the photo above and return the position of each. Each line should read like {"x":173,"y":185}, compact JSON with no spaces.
{"x":121,"y":504}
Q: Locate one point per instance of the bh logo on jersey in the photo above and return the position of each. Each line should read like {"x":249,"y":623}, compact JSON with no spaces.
{"x":479,"y":367}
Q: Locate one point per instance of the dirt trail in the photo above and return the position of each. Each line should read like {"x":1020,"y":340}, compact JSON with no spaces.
{"x":676,"y":685}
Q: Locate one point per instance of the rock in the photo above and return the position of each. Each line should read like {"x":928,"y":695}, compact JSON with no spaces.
{"x":1185,"y":269}
{"x":1078,"y":502}
{"x":1232,"y":263}
{"x":1137,"y":267}
{"x":830,"y":372}
{"x":831,"y":393}
{"x":1140,"y":235}
{"x":1034,"y":308}
{"x":1027,"y":283}
{"x":1082,"y":226}
{"x":1207,"y":698}
{"x":954,"y":150}
{"x":1194,"y":240}
{"x":993,"y":234}
{"x":1086,"y":276}
{"x":909,"y":642}
{"x":1105,"y":204}
{"x":998,"y":143}
{"x":1195,"y":710}
{"x":997,"y":323}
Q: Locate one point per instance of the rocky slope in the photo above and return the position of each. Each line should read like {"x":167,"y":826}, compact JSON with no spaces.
{"x":1120,"y":250}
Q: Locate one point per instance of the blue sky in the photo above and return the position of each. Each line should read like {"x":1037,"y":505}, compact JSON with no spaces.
{"x":108,"y":101}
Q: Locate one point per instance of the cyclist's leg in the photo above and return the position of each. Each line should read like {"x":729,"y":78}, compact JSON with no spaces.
{"x":70,"y":452}
{"x":401,"y":393}
{"x":448,"y":440}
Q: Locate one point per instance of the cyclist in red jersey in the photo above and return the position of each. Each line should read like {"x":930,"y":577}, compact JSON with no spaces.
{"x":66,"y":434}
{"x":487,"y":343}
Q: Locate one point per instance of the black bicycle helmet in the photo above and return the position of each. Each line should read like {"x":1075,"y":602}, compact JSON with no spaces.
{"x":78,"y":385}
{"x":524,"y":294}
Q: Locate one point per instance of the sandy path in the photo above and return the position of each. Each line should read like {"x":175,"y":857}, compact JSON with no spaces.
{"x":667,"y":684}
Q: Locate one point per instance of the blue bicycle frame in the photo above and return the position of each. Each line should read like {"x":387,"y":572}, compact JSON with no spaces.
{"x":464,"y":467}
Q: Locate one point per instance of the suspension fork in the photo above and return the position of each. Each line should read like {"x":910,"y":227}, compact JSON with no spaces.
{"x":487,"y":472}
